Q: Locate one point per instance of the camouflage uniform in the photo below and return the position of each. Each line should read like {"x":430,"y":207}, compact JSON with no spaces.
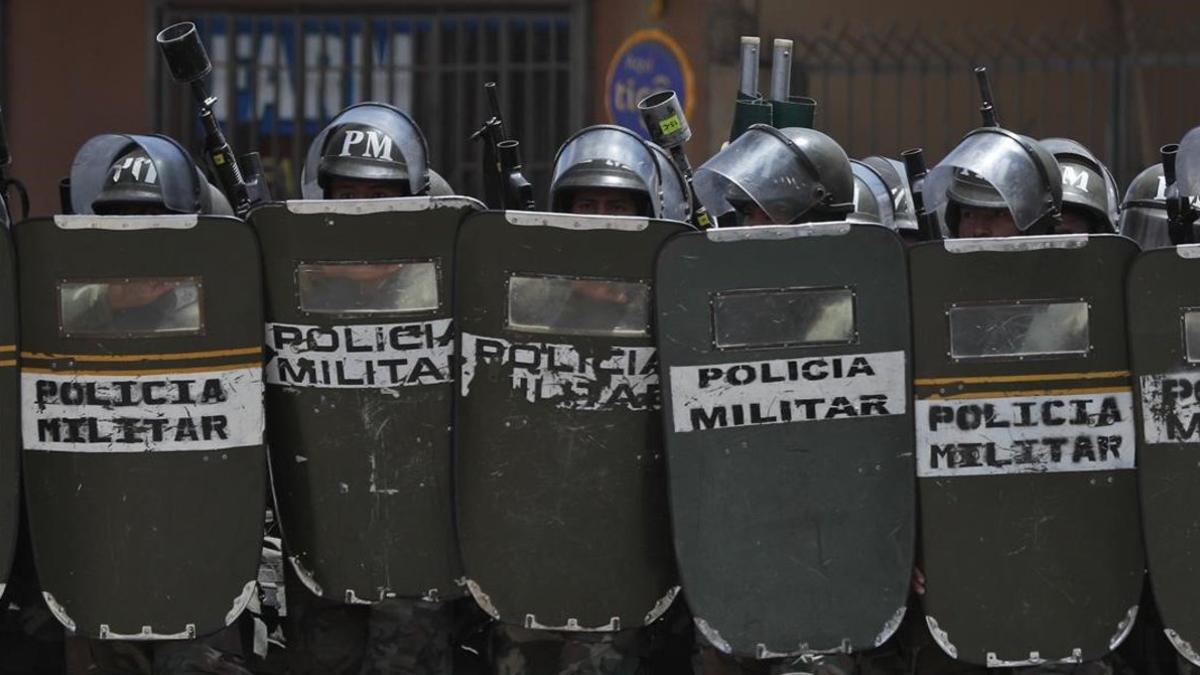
{"x":523,"y":651}
{"x":216,"y":654}
{"x":662,"y":647}
{"x":394,"y":636}
{"x":31,"y":639}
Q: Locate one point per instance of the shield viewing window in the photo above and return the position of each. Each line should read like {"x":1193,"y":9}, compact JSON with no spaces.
{"x":145,"y":307}
{"x":348,"y":288}
{"x":1028,"y":329}
{"x":571,"y":306}
{"x":746,"y":319}
{"x":1191,"y":334}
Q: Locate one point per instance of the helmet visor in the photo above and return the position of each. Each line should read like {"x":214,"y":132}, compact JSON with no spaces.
{"x":759,"y":166}
{"x":865,"y":178}
{"x":606,"y":156}
{"x":1005,"y":164}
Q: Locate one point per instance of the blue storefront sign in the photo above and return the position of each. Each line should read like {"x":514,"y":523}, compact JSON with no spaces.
{"x":647,"y":62}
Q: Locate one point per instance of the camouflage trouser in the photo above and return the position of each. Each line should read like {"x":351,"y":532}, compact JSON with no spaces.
{"x":709,"y":661}
{"x":523,"y":651}
{"x":216,"y":654}
{"x":394,"y":636}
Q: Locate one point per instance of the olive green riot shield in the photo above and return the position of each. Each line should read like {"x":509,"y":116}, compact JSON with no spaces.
{"x":562,"y":504}
{"x":142,"y":420}
{"x":10,"y":419}
{"x":785,"y":361}
{"x":360,"y":391}
{"x":1164,"y":346}
{"x":1025,"y":447}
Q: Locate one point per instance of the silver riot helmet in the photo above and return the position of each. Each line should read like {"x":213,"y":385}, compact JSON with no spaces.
{"x":996,"y":169}
{"x":904,"y":214}
{"x":370,"y":142}
{"x":130,"y":173}
{"x":1144,"y":209}
{"x":1187,"y":165}
{"x":872,"y":200}
{"x":1089,"y":190}
{"x":438,"y":186}
{"x":676,"y":197}
{"x":607,"y":157}
{"x":781,"y":176}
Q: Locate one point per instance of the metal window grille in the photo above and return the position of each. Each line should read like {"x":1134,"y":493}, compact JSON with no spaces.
{"x":281,"y":77}
{"x":1122,"y":90}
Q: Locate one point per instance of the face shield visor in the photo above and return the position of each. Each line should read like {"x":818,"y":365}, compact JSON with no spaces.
{"x":1008,"y":165}
{"x":765,"y":169}
{"x":606,"y":157}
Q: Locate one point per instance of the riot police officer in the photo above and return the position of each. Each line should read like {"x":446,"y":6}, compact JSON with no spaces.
{"x":903,"y":216}
{"x":1144,"y":209}
{"x":607,"y":170}
{"x":777,"y":176}
{"x":996,"y":183}
{"x":117,"y":174}
{"x":1089,"y":203}
{"x":783,"y":176}
{"x":368,"y":151}
{"x":603,"y":170}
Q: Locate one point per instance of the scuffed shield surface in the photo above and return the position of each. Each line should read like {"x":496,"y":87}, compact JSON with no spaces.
{"x":562,"y":504}
{"x":1164,"y":344}
{"x":785,"y":354}
{"x":142,"y":425}
{"x":1026,"y":447}
{"x":359,"y":372}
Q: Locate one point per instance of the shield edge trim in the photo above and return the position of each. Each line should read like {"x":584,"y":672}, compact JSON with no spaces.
{"x":941,"y":637}
{"x":123,"y":223}
{"x":356,"y":207}
{"x":1182,"y":647}
{"x":1124,"y":628}
{"x":148,"y":634}
{"x":712,"y":635}
{"x":482,"y":599}
{"x":774,"y":232}
{"x":891,"y":626}
{"x":1015,"y":244}
{"x":614,"y":624}
{"x":575,"y":222}
{"x":58,"y":611}
{"x":306,"y":577}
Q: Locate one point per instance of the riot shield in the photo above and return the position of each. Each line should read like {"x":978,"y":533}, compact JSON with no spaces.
{"x":785,"y":361}
{"x":141,"y":380}
{"x":360,"y":391}
{"x":561,"y":492}
{"x":1164,"y":345}
{"x":10,"y":438}
{"x":1025,"y":447}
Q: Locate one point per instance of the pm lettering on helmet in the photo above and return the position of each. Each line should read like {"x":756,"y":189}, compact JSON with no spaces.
{"x":140,"y":169}
{"x":373,"y":144}
{"x":1161,"y":193}
{"x":1073,"y":177}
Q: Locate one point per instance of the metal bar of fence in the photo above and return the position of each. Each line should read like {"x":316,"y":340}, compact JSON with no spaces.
{"x":300,"y":114}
